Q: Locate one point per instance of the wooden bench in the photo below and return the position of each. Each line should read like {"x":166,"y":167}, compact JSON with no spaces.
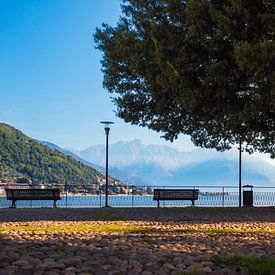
{"x":32,"y":194}
{"x":176,"y":194}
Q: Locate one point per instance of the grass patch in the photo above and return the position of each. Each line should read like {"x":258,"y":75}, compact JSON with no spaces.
{"x":119,"y":227}
{"x":114,"y":227}
{"x":254,"y":265}
{"x":223,"y":230}
{"x":190,"y":273}
{"x":107,"y":214}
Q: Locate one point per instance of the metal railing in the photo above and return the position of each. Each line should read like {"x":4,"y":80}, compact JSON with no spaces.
{"x":210,"y":196}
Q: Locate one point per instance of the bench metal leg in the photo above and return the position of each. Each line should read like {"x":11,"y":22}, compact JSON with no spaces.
{"x":13,"y":204}
{"x":158,"y":203}
{"x":54,"y":204}
{"x":193,"y":203}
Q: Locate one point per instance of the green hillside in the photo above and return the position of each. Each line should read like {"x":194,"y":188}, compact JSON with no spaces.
{"x":21,"y":155}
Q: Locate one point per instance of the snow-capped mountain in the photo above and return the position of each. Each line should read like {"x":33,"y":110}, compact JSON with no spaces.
{"x":113,"y":171}
{"x":164,"y":165}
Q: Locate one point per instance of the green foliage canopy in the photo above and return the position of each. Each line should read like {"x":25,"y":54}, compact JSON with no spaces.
{"x":204,"y":68}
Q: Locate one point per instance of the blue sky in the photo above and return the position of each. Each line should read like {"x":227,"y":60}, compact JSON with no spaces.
{"x":50,"y":73}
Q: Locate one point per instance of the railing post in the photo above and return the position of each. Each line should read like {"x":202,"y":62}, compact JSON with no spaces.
{"x":223,"y":196}
{"x":66,"y":194}
{"x":164,"y":200}
{"x":193,"y":202}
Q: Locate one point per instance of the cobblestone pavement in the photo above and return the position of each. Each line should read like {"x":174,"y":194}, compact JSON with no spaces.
{"x":133,"y":241}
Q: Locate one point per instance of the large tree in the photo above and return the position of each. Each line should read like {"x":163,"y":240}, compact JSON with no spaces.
{"x":204,"y":68}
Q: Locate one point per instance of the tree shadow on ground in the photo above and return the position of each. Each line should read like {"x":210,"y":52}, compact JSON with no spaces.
{"x":183,"y":214}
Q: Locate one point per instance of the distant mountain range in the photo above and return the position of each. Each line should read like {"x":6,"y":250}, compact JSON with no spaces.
{"x":164,"y":165}
{"x":113,"y":171}
{"x":131,"y":162}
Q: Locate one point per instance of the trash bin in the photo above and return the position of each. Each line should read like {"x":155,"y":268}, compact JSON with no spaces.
{"x":247,"y":195}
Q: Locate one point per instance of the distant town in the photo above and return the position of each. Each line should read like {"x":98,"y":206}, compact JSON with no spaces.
{"x":114,"y":187}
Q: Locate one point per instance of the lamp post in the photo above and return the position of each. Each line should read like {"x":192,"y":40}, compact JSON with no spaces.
{"x":242,"y":132}
{"x":240,"y":173}
{"x":107,"y":131}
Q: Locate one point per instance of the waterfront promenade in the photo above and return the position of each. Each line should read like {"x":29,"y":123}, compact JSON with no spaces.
{"x":209,"y":196}
{"x":137,"y":241}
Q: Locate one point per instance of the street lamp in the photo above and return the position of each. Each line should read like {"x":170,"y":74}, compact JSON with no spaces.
{"x":240,"y":172}
{"x":107,"y":131}
{"x":242,"y":128}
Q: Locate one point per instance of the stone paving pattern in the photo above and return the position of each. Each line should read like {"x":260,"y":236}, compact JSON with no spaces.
{"x":164,"y":249}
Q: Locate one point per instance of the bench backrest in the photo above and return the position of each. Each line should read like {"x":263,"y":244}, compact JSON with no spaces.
{"x":33,"y":194}
{"x":176,"y":194}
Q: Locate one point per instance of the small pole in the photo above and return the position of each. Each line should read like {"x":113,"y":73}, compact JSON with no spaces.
{"x":66,"y":195}
{"x":240,"y":174}
{"x":164,"y":200}
{"x":223,"y":196}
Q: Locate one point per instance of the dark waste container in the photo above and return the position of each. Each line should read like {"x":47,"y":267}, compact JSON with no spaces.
{"x":247,"y":195}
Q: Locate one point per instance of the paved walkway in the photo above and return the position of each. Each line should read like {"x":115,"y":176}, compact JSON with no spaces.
{"x":133,"y":240}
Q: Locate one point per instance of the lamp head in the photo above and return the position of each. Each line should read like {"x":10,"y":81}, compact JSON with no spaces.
{"x":107,"y":122}
{"x":107,"y":127}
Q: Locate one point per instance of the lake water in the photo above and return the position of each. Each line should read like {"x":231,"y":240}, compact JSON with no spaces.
{"x":232,"y":199}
